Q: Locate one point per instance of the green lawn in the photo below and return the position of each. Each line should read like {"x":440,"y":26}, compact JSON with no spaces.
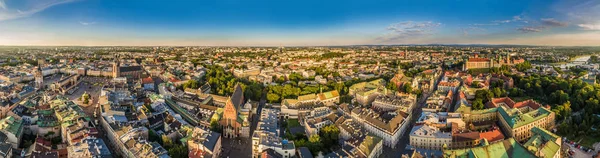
{"x":292,"y":123}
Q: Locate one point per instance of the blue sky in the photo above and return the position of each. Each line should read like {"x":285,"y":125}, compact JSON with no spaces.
{"x":298,"y":23}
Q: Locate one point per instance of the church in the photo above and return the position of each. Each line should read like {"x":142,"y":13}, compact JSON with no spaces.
{"x":235,"y":115}
{"x":130,"y":72}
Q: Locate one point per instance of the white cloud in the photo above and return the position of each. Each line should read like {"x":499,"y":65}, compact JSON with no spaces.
{"x":87,"y":23}
{"x":590,"y":26}
{"x":517,"y":18}
{"x":32,"y":7}
{"x":408,"y":29}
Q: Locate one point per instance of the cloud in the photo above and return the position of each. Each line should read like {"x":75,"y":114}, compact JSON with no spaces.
{"x":530,"y":29}
{"x":87,"y":23}
{"x":501,"y":21}
{"x":583,"y":13}
{"x":31,"y":7}
{"x":2,"y":4}
{"x":553,"y":23}
{"x":408,"y":29}
{"x":595,"y":27}
{"x":515,"y":18}
{"x":490,"y":24}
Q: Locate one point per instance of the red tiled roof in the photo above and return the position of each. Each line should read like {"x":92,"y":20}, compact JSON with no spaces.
{"x":147,"y":80}
{"x":506,"y":100}
{"x":532,"y":104}
{"x":196,"y":153}
{"x":492,"y":136}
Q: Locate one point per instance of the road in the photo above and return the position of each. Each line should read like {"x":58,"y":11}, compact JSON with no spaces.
{"x":405,"y":139}
{"x":580,"y":153}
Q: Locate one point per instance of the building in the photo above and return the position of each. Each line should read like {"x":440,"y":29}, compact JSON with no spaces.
{"x":366,"y":92}
{"x":89,"y":147}
{"x":266,"y":136}
{"x":317,"y":119}
{"x":544,"y":143}
{"x":39,"y":78}
{"x":201,"y":142}
{"x":235,"y":124}
{"x":13,"y":129}
{"x":148,"y":83}
{"x":498,"y":61}
{"x":518,"y":119}
{"x":329,"y":98}
{"x":371,"y":146}
{"x":394,"y":102}
{"x":131,"y":72}
{"x":507,"y":148}
{"x":388,"y":125}
{"x":477,"y":63}
{"x":428,"y":137}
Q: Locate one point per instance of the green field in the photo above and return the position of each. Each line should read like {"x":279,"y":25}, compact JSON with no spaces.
{"x":291,"y":123}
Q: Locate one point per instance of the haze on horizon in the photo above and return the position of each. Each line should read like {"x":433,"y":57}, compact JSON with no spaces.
{"x":298,"y":23}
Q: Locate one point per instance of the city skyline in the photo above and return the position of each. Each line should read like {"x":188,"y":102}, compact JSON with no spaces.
{"x":306,"y":23}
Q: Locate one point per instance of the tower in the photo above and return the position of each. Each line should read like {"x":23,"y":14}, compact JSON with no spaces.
{"x":39,"y":78}
{"x":116,"y":65}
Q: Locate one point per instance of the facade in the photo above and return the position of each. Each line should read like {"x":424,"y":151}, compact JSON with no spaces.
{"x":394,"y":102}
{"x":427,"y":137}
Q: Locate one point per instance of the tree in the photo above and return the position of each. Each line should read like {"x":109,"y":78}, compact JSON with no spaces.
{"x":314,"y":138}
{"x":178,"y":151}
{"x":153,"y":137}
{"x":214,"y":126}
{"x":478,"y":104}
{"x":330,"y":135}
{"x":272,"y":97}
{"x":167,"y":143}
{"x":254,"y":91}
{"x":484,"y":94}
{"x":193,"y":84}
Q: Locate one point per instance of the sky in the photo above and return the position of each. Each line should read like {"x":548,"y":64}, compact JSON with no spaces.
{"x":298,"y":22}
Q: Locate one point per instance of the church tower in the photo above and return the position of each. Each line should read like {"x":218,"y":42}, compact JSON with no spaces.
{"x":39,"y":78}
{"x":116,"y":65}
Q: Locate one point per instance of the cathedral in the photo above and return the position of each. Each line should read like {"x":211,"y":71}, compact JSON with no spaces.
{"x":235,"y":117}
{"x":131,"y":72}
